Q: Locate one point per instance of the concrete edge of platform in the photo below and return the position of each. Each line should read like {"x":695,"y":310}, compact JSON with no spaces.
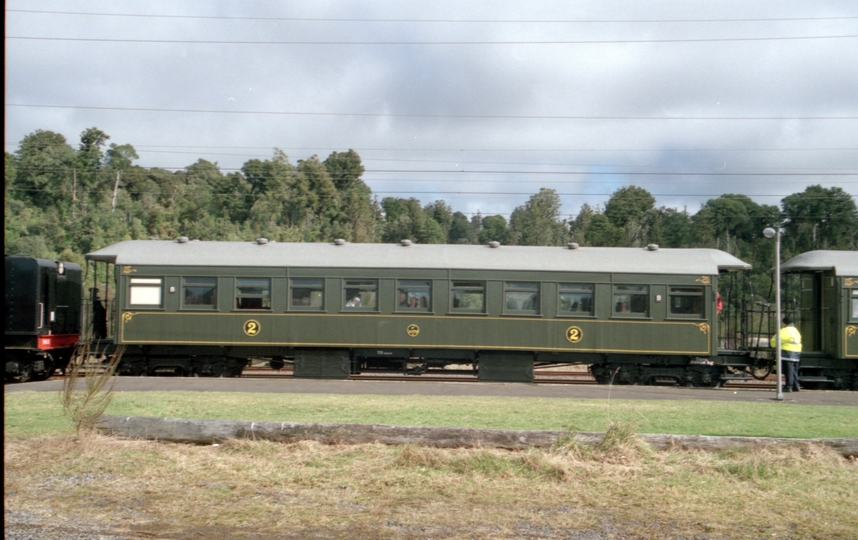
{"x":184,"y":430}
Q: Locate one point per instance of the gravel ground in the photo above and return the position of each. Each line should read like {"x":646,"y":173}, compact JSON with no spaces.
{"x":31,"y":526}
{"x":34,"y":526}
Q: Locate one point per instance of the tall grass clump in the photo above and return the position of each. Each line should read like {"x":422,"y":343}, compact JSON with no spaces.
{"x":88,"y":385}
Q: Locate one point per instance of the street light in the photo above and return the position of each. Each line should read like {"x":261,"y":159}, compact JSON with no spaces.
{"x":769,"y":232}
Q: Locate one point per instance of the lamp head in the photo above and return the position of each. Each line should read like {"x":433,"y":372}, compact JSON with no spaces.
{"x":768,"y":232}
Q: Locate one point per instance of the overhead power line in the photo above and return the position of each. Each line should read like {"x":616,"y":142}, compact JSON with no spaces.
{"x":461,"y":150}
{"x":418,"y":115}
{"x":610,"y":173}
{"x":487,"y":42}
{"x":615,"y":171}
{"x":435,"y":193}
{"x":434,"y":21}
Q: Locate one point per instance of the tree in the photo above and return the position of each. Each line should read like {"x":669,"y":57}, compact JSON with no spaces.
{"x":673,"y":229}
{"x":821,"y":218}
{"x":327,"y":205}
{"x":90,"y":155}
{"x":344,"y":168}
{"x":461,"y":230}
{"x":726,"y":218}
{"x":357,"y":216}
{"x":494,"y":229}
{"x":602,"y":233}
{"x":404,"y":219}
{"x":537,"y":223}
{"x":632,"y":210}
{"x":578,"y":227}
{"x":121,"y":157}
{"x":44,"y":170}
{"x":443,"y":215}
{"x":629,"y":204}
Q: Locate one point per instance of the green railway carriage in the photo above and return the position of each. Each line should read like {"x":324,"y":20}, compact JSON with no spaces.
{"x":339,"y":308}
{"x":826,"y":305}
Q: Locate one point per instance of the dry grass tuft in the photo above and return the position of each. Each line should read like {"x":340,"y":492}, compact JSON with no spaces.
{"x":411,"y":455}
{"x":96,"y":369}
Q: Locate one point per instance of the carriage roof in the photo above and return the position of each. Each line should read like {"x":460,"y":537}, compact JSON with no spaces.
{"x":844,"y":263}
{"x":418,"y":256}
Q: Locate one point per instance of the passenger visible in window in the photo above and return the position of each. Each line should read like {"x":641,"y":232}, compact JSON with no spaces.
{"x":403,"y":299}
{"x":354,"y":302}
{"x":413,"y":302}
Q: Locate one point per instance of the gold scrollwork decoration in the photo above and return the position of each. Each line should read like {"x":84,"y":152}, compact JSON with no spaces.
{"x":704,"y":328}
{"x":850,"y":281}
{"x":128,"y":270}
{"x":126,"y":317}
{"x":703,"y":279}
{"x":851,"y":331}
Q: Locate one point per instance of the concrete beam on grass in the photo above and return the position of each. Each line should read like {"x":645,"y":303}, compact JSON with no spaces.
{"x":182,"y":430}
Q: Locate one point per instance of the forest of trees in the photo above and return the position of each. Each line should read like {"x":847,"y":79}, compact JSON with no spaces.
{"x":63,"y":202}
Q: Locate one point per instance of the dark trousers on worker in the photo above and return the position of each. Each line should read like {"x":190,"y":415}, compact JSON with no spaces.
{"x":789,"y":360}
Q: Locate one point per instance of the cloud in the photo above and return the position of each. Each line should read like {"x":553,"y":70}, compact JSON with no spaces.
{"x":496,"y":107}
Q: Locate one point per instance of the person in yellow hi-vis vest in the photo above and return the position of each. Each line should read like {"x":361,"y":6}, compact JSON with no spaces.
{"x":790,"y":352}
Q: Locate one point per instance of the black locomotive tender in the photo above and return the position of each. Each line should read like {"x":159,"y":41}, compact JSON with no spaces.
{"x":43,"y":316}
{"x":633,"y":315}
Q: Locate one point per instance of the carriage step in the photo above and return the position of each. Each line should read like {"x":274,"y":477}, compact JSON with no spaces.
{"x":814,"y":378}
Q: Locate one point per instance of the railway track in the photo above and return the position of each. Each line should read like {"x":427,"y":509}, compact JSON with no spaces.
{"x":546,"y":377}
{"x":463,"y":376}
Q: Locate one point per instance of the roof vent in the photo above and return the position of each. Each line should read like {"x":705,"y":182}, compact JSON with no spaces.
{"x":494,"y":244}
{"x":182,"y":240}
{"x":339,"y":242}
{"x":405,"y":242}
{"x":572,"y":245}
{"x":261,"y":241}
{"x":652,"y":247}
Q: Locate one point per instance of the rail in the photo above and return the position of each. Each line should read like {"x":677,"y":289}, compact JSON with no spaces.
{"x":460,"y":376}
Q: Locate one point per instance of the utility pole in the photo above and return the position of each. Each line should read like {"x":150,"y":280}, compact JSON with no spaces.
{"x":770,"y":232}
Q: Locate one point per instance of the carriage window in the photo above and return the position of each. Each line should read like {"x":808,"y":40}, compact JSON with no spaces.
{"x":199,"y":292}
{"x":308,"y":293}
{"x":145,"y":291}
{"x":469,"y":296}
{"x":361,"y":294}
{"x":253,"y":293}
{"x":576,"y":299}
{"x":854,"y":304}
{"x":686,"y":301}
{"x":414,"y":295}
{"x":521,"y":297}
{"x":631,"y":299}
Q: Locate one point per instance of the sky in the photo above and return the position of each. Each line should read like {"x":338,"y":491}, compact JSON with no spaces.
{"x":477,"y":103}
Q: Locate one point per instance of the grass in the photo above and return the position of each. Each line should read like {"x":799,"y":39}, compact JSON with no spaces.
{"x":620,"y":488}
{"x":30,"y":413}
{"x":247,"y":488}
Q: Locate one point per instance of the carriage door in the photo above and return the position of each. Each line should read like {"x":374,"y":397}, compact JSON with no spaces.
{"x":809,"y":313}
{"x":828,"y":317}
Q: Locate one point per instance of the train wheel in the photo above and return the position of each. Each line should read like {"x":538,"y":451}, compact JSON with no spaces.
{"x":704,"y":377}
{"x":43,"y":375}
{"x":603,"y":373}
{"x":25,"y":373}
